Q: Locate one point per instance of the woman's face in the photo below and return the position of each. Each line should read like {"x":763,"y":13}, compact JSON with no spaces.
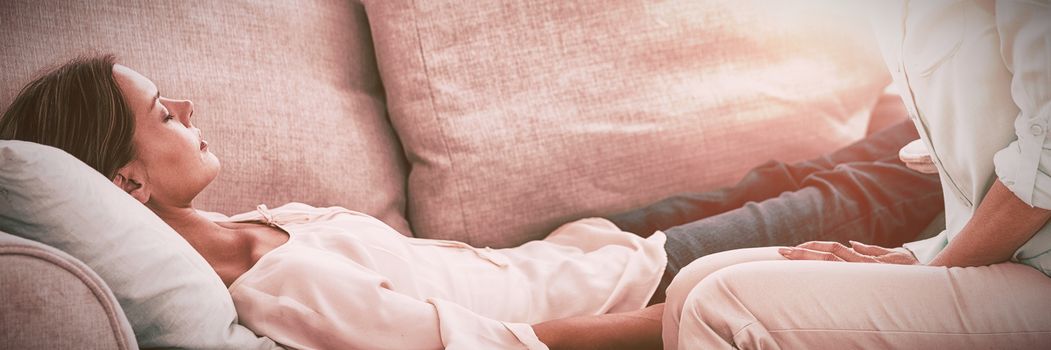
{"x":172,"y":163}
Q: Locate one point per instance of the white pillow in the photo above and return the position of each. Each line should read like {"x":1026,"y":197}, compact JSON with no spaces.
{"x":172,"y":298}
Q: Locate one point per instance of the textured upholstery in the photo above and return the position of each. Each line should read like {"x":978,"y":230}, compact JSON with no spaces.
{"x":518,"y":116}
{"x":286,"y":92}
{"x":53,"y":301}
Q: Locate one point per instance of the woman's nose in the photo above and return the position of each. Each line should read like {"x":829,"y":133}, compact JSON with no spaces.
{"x":187,"y":108}
{"x":184,"y":110}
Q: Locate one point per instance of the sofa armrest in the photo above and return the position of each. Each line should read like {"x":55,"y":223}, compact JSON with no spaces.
{"x":51,"y":300}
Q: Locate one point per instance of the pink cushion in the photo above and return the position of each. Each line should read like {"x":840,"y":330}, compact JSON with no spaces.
{"x":286,"y":92}
{"x":518,"y":116}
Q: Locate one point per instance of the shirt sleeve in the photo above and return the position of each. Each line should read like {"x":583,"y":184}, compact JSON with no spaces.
{"x":1024,"y":166}
{"x":359,"y":311}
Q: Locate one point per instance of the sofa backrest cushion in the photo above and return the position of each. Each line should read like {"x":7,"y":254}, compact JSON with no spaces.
{"x":518,"y":116}
{"x":286,"y":92}
{"x":170,"y":295}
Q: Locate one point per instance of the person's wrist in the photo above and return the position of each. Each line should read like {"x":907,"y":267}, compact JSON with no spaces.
{"x":908,"y":254}
{"x":547,"y":335}
{"x":905,"y":251}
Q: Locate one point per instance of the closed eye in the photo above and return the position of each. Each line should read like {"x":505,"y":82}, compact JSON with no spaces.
{"x":168,"y":116}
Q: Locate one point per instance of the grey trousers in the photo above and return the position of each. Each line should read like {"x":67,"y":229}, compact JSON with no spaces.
{"x":861,"y":192}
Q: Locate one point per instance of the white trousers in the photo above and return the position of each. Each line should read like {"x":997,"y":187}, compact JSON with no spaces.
{"x":755,"y":299}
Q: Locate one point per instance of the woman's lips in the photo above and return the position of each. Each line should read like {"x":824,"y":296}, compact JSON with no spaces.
{"x":204,"y":145}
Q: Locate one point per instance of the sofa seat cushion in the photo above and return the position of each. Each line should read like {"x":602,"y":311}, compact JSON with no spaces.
{"x":518,"y":116}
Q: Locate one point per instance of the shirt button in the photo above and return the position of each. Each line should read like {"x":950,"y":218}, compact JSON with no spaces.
{"x":1036,"y":129}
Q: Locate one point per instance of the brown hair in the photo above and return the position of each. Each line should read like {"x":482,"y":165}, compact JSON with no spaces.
{"x":78,"y":108}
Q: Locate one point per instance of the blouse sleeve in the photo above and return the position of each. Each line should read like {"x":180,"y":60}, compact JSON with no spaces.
{"x":359,"y":311}
{"x":1024,"y":166}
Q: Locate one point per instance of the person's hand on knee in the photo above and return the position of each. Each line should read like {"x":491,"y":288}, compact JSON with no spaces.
{"x":856,"y":252}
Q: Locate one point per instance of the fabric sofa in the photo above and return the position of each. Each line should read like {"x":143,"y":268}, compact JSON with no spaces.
{"x":486,"y":122}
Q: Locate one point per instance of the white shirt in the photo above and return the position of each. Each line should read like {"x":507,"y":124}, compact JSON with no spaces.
{"x":345,"y":280}
{"x":976,"y":79}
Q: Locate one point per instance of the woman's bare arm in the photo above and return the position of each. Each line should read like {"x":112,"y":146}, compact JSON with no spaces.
{"x":1001,"y":225}
{"x":628,"y":330}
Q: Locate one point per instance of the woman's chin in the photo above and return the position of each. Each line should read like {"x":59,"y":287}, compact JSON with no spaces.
{"x":211,"y":160}
{"x":212,"y":167}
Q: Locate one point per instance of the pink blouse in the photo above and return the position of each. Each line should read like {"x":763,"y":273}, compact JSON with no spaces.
{"x":345,"y":280}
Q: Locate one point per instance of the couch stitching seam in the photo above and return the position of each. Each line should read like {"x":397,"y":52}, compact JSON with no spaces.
{"x":437,"y":122}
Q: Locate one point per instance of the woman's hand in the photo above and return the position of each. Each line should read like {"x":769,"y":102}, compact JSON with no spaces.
{"x":856,"y":252}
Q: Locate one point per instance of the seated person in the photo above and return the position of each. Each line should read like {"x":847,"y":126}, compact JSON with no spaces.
{"x":977,"y":76}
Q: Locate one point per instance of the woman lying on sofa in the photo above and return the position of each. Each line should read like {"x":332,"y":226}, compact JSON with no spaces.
{"x":331,"y":278}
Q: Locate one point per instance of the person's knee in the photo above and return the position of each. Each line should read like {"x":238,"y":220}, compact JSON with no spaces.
{"x":699,"y":302}
{"x":707,"y":305}
{"x":687,"y":279}
{"x":693,"y":273}
{"x":686,"y":309}
{"x":715,"y":308}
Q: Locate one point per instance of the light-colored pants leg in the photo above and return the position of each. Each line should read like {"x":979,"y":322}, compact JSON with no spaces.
{"x":754,"y":299}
